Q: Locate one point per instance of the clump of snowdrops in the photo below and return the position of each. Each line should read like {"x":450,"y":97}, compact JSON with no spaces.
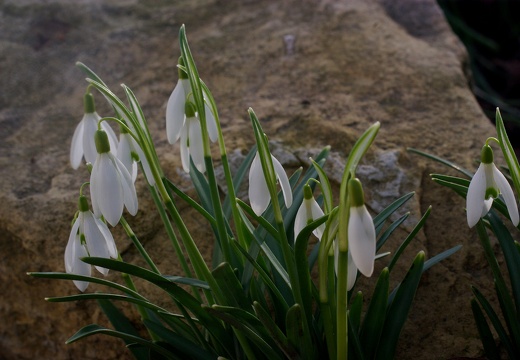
{"x":488,"y":193}
{"x":259,"y":300}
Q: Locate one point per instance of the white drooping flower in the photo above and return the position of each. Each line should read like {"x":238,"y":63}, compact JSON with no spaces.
{"x":259,"y":193}
{"x":111,"y":184}
{"x":361,"y":230}
{"x":128,"y":151}
{"x":191,"y":141}
{"x":89,"y":236}
{"x":183,"y":121}
{"x":308,"y":211}
{"x":487,"y":183}
{"x":83,"y":143}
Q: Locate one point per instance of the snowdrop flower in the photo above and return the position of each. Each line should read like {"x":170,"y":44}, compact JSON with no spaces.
{"x":111,"y":184}
{"x":129,"y":152}
{"x":89,"y":237}
{"x":175,"y":107}
{"x":487,"y":183}
{"x":182,"y":121}
{"x":259,"y":193}
{"x":308,"y":211}
{"x":361,"y":231}
{"x":83,"y":144}
{"x":191,"y":141}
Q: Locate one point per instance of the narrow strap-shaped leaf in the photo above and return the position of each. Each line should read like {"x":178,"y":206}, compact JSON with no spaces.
{"x":183,"y":347}
{"x":304,"y":276}
{"x":65,"y":276}
{"x":294,"y":328}
{"x":389,"y":231}
{"x":439,"y":257}
{"x":231,"y":287}
{"x":511,"y":255}
{"x":239,"y":178}
{"x":242,"y":321}
{"x":442,"y":161}
{"x":275,"y":332}
{"x":265,"y":277}
{"x":495,"y":321}
{"x":121,"y":323}
{"x":409,"y":238}
{"x":380,"y":218}
{"x":488,"y":342}
{"x":94,"y":329}
{"x":354,"y":344}
{"x":398,"y":309}
{"x":374,"y":320}
{"x":354,"y":311}
{"x":508,"y":151}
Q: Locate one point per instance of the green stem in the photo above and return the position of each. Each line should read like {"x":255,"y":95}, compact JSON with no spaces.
{"x":341,"y":309}
{"x":138,"y":245}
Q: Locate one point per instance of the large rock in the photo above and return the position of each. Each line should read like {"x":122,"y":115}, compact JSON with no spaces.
{"x":316,"y":73}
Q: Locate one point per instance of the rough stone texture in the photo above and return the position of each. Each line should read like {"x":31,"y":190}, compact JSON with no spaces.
{"x":352,"y":63}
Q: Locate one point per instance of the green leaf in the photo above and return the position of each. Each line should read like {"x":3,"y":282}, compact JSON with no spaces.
{"x":121,"y":323}
{"x":495,"y":321}
{"x":274,"y":331}
{"x":248,"y":325}
{"x":511,"y":255}
{"x":231,"y":287}
{"x":294,"y":328}
{"x":442,"y":161}
{"x":399,"y":308}
{"x":325,"y":186}
{"x":94,"y":329}
{"x":380,"y":218}
{"x":488,"y":342}
{"x":354,"y":311}
{"x":183,"y":347}
{"x":508,"y":151}
{"x":439,"y":257}
{"x":239,"y":178}
{"x":389,"y":231}
{"x":374,"y":320}
{"x":409,"y":238}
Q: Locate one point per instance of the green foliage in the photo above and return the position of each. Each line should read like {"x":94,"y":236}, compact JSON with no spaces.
{"x":260,"y":298}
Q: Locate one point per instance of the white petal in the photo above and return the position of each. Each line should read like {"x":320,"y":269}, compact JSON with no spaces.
{"x":93,"y":188}
{"x":284,"y":182}
{"x":362,"y":239}
{"x":211,"y":123}
{"x":106,"y":189}
{"x":352,"y":272}
{"x":258,"y":191}
{"x":112,"y":138}
{"x":76,"y":147}
{"x":175,"y":113}
{"x":316,"y":214}
{"x":96,"y":243}
{"x":109,"y":239}
{"x":69,"y":254}
{"x":185,"y":152}
{"x":300,"y":221}
{"x":196,"y":146}
{"x":507,"y":193}
{"x":475,"y":197}
{"x":144,"y":162}
{"x":90,"y":122}
{"x":129,"y":193}
{"x":80,"y":267}
{"x":124,"y":153}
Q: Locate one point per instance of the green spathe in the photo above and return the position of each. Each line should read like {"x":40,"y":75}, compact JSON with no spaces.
{"x":102,"y":143}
